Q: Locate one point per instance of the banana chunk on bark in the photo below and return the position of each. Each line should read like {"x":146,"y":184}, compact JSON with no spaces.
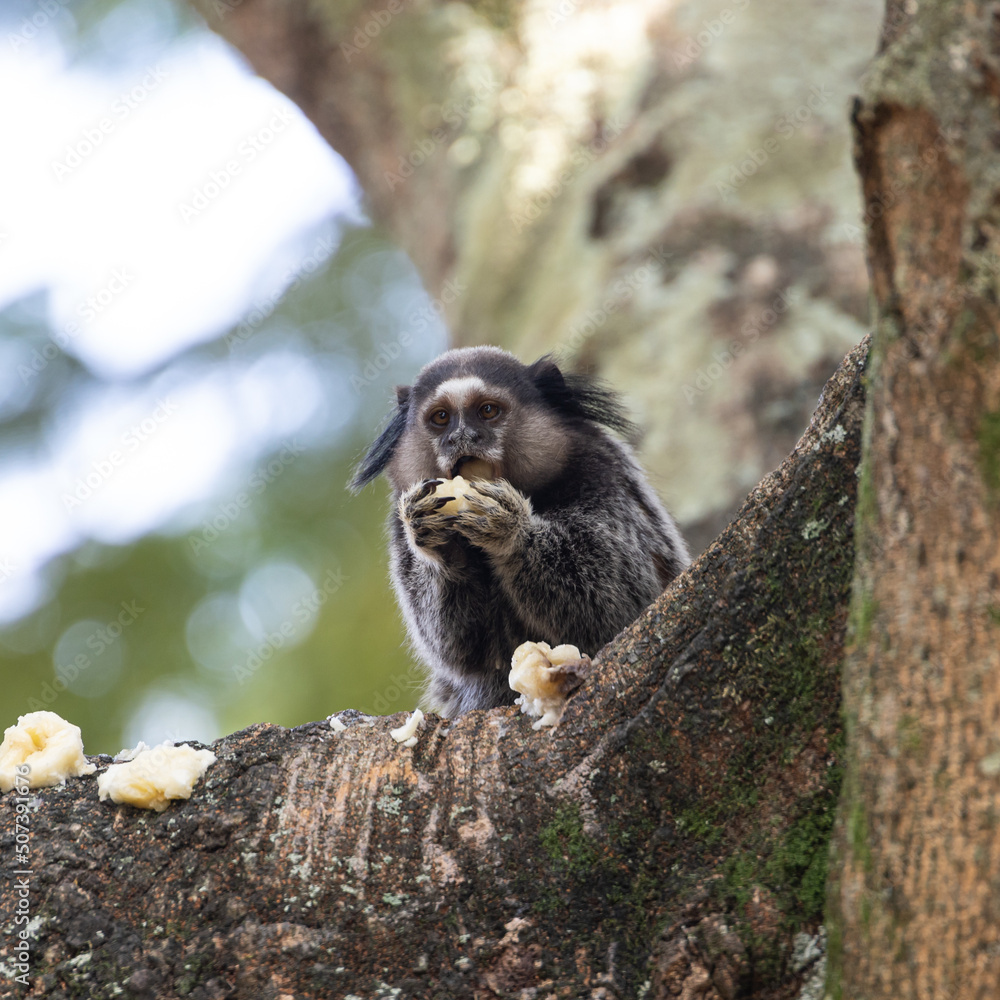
{"x":545,"y":677}
{"x":43,"y":748}
{"x":407,"y":733}
{"x":155,"y":776}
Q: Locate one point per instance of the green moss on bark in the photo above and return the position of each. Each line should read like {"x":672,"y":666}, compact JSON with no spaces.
{"x":989,"y":454}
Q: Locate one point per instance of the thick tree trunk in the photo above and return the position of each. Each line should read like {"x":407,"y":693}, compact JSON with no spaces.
{"x":917,"y":896}
{"x":669,"y":839}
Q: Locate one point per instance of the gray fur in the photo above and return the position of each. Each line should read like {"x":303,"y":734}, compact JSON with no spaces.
{"x":568,"y":545}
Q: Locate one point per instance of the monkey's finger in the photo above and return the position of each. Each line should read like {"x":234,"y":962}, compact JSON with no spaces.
{"x":475,"y":527}
{"x":427,"y":505}
{"x":482,"y":496}
{"x":439,"y":524}
{"x":427,"y":487}
{"x":493,"y":487}
{"x":481,"y":505}
{"x":499,"y":493}
{"x":436,"y":504}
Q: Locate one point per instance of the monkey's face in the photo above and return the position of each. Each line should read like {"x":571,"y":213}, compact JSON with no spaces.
{"x":458,"y":428}
{"x":487,"y":425}
{"x":466,"y":423}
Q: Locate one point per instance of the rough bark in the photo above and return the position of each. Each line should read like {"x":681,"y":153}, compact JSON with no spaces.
{"x":661,"y":192}
{"x":669,"y":839}
{"x":916,"y":901}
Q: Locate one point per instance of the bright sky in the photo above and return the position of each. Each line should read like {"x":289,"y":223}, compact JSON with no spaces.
{"x":149,"y":202}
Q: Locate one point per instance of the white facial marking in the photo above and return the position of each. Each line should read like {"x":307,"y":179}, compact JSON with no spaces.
{"x":460,"y":391}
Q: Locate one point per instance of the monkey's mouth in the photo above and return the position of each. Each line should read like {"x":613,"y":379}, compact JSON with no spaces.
{"x":471,"y":467}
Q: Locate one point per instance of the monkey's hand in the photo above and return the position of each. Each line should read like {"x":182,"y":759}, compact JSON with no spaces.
{"x":494,"y":517}
{"x":420,"y":511}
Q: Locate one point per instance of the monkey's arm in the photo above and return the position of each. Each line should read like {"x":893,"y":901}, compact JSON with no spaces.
{"x":579,"y":575}
{"x":457,"y":618}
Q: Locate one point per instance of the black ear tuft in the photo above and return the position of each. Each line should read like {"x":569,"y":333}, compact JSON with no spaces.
{"x":381,"y":451}
{"x":548,"y":380}
{"x":581,"y":396}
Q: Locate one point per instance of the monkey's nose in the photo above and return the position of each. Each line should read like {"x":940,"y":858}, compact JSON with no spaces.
{"x":463,"y":435}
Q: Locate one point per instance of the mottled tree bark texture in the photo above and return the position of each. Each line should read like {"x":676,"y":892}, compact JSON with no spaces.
{"x":916,"y":887}
{"x":669,"y":839}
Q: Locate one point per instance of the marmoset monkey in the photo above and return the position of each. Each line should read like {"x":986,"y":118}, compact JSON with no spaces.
{"x":558,"y":537}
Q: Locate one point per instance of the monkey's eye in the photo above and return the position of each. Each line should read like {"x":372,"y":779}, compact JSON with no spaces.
{"x":489,"y":410}
{"x":440,"y":417}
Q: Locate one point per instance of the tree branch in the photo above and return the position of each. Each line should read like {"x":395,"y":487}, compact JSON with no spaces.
{"x":672,"y":831}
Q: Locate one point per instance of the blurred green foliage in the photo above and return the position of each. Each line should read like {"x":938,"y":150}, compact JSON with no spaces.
{"x":136,"y":601}
{"x":268,"y":601}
